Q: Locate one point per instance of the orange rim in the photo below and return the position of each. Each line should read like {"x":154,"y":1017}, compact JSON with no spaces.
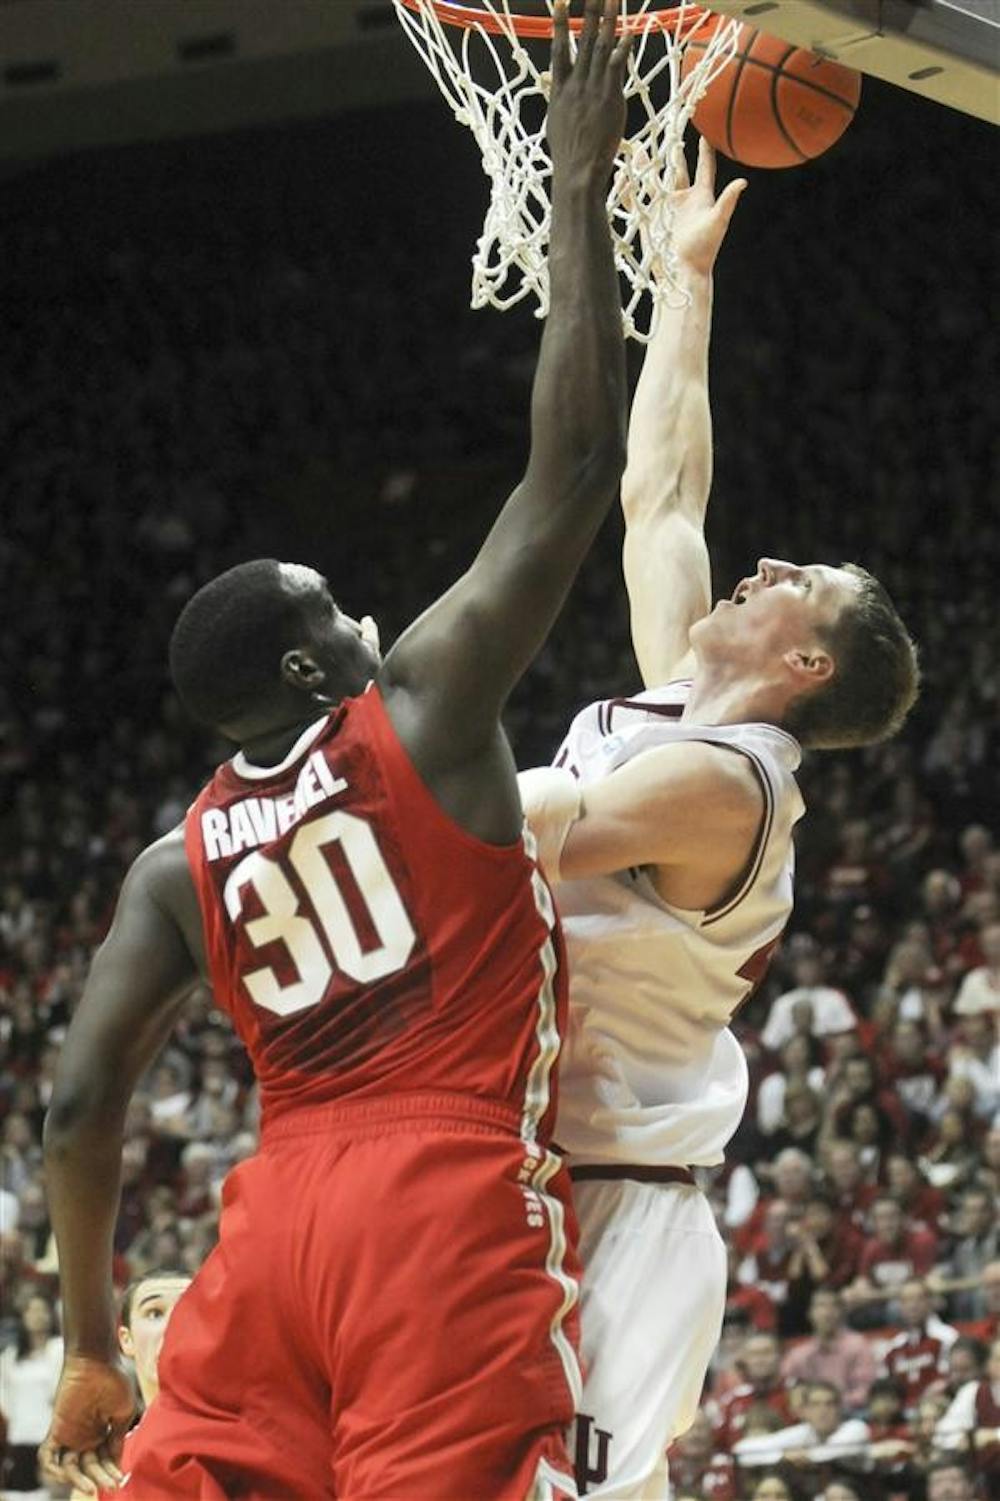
{"x":466,"y":17}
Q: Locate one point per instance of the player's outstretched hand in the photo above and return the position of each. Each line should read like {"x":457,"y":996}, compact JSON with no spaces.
{"x":93,"y":1408}
{"x":701,"y":219}
{"x":587,"y":100}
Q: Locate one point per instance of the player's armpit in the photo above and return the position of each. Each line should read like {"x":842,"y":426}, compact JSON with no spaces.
{"x":693,"y":806}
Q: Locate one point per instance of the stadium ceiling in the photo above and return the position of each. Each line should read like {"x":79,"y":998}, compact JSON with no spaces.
{"x":82,"y":73}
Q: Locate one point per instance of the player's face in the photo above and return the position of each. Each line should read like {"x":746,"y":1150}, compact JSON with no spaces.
{"x":152,"y":1305}
{"x":347,"y":649}
{"x":776,"y":610}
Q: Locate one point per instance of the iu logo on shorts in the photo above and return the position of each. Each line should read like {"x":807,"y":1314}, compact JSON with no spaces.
{"x":591,"y":1457}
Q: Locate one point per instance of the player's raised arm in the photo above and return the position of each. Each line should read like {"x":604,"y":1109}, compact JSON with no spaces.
{"x":138,"y":982}
{"x":669,"y":471}
{"x":447,"y":678}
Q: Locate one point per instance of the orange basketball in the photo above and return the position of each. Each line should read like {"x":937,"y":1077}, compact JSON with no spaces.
{"x":775,"y":105}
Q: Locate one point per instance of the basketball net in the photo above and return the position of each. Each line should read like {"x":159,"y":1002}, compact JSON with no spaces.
{"x":506,"y":114}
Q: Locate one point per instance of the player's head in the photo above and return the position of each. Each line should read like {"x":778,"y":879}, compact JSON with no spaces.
{"x":260,"y":645}
{"x":147,"y":1305}
{"x":827,"y":641}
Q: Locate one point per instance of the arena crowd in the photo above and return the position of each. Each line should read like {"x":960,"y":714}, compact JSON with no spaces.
{"x":214,"y":350}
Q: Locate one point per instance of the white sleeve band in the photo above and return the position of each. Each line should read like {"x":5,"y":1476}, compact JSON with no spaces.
{"x":552,"y":799}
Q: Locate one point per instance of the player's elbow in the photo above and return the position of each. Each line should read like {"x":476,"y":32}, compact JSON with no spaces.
{"x":77,"y":1109}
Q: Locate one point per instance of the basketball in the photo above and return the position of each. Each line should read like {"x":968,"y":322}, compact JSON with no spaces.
{"x":775,"y":105}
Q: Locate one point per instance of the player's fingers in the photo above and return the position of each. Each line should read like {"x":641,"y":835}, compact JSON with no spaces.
{"x":592,"y":12}
{"x":704,"y":174}
{"x":730,"y":197}
{"x":622,"y":53}
{"x":606,"y":32}
{"x":49,"y":1462}
{"x":104,"y":1475}
{"x":560,"y":43}
{"x":680,"y":175}
{"x":73,"y":1475}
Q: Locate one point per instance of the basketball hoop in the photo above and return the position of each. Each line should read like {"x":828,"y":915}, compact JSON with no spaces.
{"x":506,"y":114}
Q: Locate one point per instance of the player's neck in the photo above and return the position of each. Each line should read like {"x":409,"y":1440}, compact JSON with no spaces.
{"x":721,"y":694}
{"x":272,"y":746}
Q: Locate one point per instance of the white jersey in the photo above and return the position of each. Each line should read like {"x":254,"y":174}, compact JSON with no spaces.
{"x":650,"y":1072}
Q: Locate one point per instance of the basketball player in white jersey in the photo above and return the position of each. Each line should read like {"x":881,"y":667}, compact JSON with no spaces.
{"x":667,"y":821}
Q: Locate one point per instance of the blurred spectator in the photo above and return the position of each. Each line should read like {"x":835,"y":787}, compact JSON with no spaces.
{"x":853,"y":1193}
{"x":823,"y":1437}
{"x":762,"y":1385}
{"x":800,"y":1064}
{"x":697,"y":1467}
{"x":835,"y":1354}
{"x":966,"y":1362}
{"x":810,"y":1009}
{"x":921,"y":1204}
{"x":918,"y":1357}
{"x":976,"y":1057}
{"x":885,"y":1412}
{"x":979,"y":991}
{"x":947,"y":1480}
{"x":975,"y":1245}
{"x":893,"y":1256}
{"x":972,"y":1423}
{"x":766,"y":1267}
{"x":988,"y":1327}
{"x":29,"y":1375}
{"x":771,"y":1488}
{"x":826,"y":1253}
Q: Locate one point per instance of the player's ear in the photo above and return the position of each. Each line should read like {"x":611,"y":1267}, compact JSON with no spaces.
{"x":125,"y":1342}
{"x":302,"y":671}
{"x":810,"y":668}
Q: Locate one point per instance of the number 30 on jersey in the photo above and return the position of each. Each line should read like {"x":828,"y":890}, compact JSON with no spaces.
{"x":299,"y":928}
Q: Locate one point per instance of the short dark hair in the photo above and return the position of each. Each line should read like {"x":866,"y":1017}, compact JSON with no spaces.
{"x":229,"y":638}
{"x":157,"y":1274}
{"x":887,"y":1386}
{"x":875,"y":679}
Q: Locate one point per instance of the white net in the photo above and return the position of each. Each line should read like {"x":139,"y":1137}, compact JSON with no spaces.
{"x":495,"y":87}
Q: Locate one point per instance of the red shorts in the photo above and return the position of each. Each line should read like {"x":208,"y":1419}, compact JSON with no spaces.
{"x":390,"y":1313}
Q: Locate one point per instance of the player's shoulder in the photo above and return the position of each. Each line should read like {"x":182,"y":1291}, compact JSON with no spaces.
{"x":162,"y":861}
{"x":160,"y":876}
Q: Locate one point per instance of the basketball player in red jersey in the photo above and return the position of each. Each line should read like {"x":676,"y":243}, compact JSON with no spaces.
{"x":388,"y":1312}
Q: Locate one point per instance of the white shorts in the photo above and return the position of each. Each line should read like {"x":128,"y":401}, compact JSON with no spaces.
{"x":652,"y":1299}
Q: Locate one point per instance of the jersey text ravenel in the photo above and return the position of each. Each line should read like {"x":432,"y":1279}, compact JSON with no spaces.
{"x":651,"y":1073}
{"x":363,"y":943}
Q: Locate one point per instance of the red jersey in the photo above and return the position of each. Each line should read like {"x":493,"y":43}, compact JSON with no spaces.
{"x":890,"y":1266}
{"x":916,"y":1359}
{"x":362,"y":942}
{"x":733,"y":1408}
{"x":714,"y":1478}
